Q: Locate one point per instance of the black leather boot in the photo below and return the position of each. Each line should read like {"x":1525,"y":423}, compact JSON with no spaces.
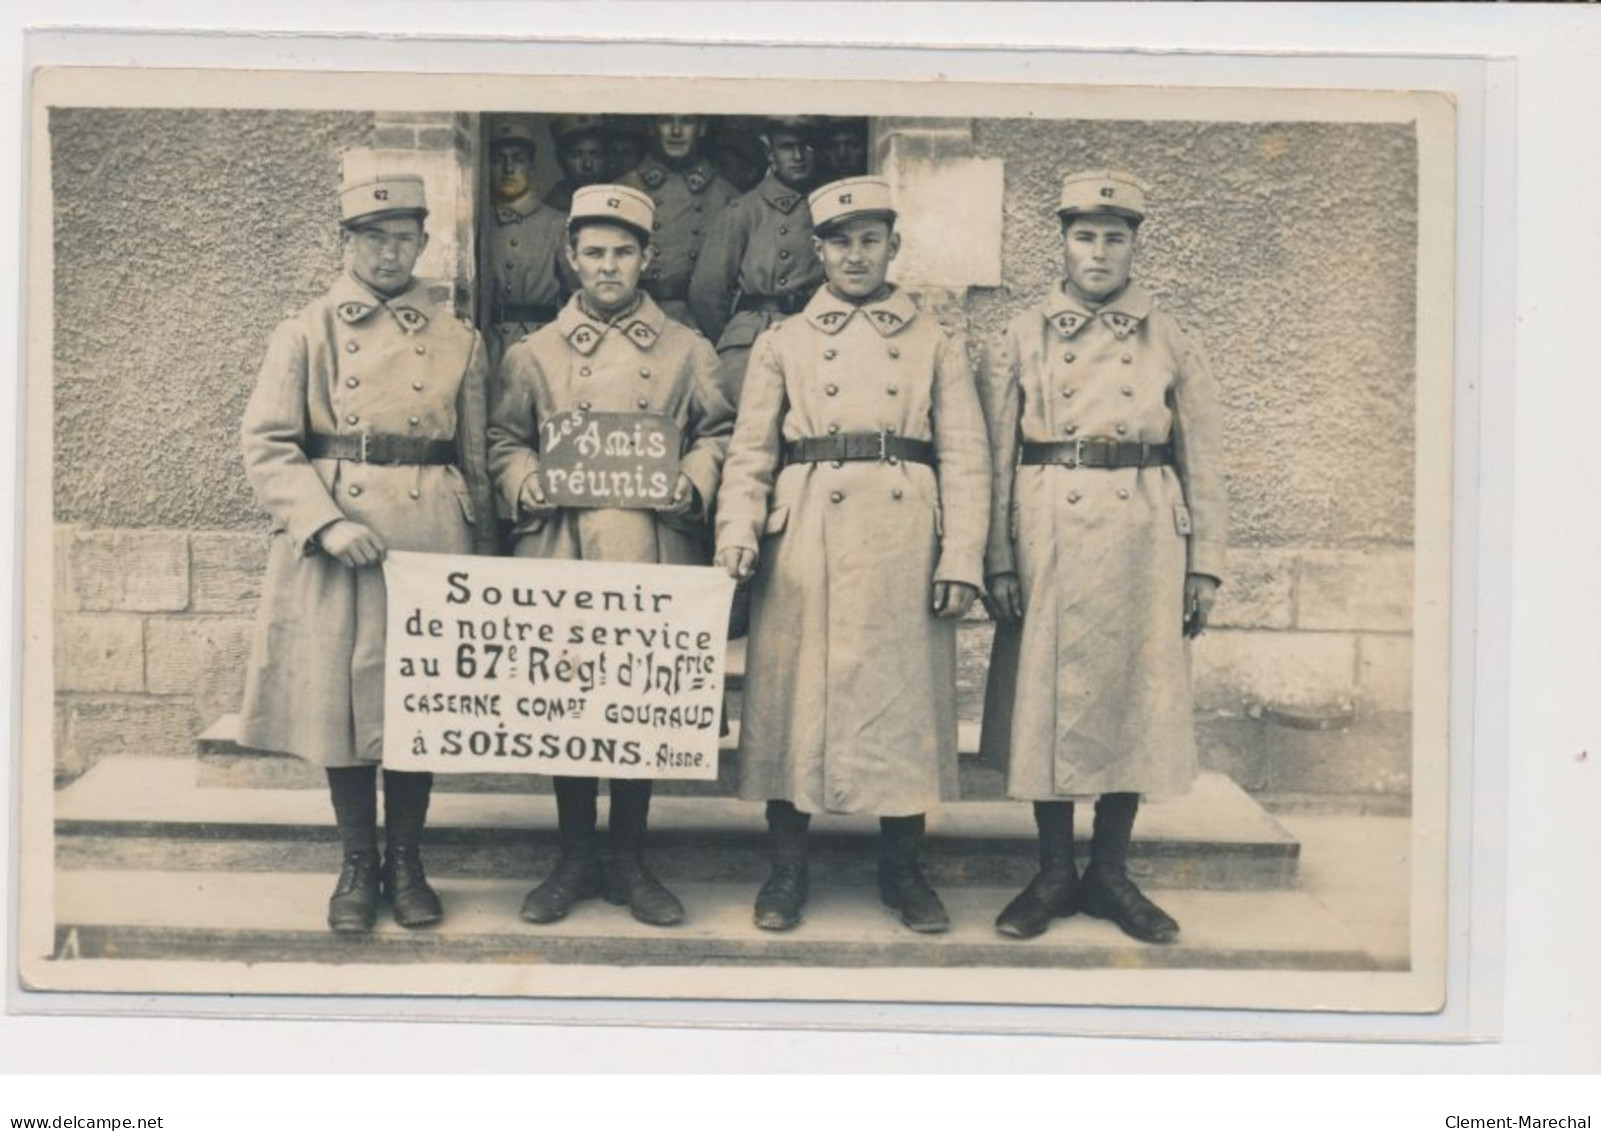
{"x":783,"y":897}
{"x":576,"y":876}
{"x":1053,"y":892}
{"x":412,"y":898}
{"x":1106,"y":891}
{"x":901,"y":883}
{"x":628,"y":880}
{"x":353,"y":907}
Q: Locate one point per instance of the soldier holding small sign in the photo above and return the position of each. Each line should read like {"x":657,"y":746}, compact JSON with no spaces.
{"x":610,"y":376}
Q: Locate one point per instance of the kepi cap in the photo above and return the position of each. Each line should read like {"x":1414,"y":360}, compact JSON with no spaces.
{"x":564,"y":126}
{"x":613,"y":204}
{"x":380,"y":196}
{"x":804,"y":124}
{"x":510,"y":131}
{"x":1103,"y":191}
{"x":835,"y":203}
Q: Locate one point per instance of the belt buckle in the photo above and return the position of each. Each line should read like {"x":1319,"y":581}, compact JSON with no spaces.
{"x":883,"y":446}
{"x":1077,"y":458}
{"x":362,"y":456}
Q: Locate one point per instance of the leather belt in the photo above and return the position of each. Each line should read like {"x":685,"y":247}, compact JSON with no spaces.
{"x":375,"y":447}
{"x":1098,"y":453}
{"x":774,"y":304}
{"x":882,"y":447}
{"x":525,"y":312}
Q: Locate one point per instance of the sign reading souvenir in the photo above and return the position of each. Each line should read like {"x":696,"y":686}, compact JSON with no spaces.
{"x":609,"y":459}
{"x":522,"y":666}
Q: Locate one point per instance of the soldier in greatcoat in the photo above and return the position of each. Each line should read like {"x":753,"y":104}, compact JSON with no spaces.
{"x":856,"y":501}
{"x":527,"y":238}
{"x":582,"y":151}
{"x":610,"y":350}
{"x":365,"y":433}
{"x":689,"y":196}
{"x":757,"y":265}
{"x":1105,"y":553}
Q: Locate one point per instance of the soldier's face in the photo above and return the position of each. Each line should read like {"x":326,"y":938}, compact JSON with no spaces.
{"x":384,"y":253}
{"x":679,"y":136}
{"x":624,"y":153}
{"x":1098,"y":251}
{"x":583,"y":159}
{"x":512,"y":165}
{"x":856,"y":255}
{"x":608,"y":261}
{"x":847,"y":153}
{"x":792,"y":157}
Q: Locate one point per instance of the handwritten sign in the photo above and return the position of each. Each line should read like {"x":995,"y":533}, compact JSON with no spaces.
{"x":609,"y":459}
{"x":515,"y":665}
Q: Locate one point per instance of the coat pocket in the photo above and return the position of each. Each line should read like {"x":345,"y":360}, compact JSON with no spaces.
{"x":777,"y":519}
{"x":467,"y":512}
{"x":1181,"y":520}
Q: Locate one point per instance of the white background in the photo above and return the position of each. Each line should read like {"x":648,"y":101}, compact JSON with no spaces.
{"x":1551,"y":671}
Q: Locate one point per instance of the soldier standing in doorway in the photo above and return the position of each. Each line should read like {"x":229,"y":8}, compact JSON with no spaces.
{"x":610,"y":350}
{"x":582,"y":153}
{"x":757,"y":266}
{"x":844,"y":147}
{"x":526,"y":268}
{"x":627,"y":141}
{"x":365,"y":433}
{"x":856,"y":502}
{"x":689,"y":196}
{"x":1105,"y":553}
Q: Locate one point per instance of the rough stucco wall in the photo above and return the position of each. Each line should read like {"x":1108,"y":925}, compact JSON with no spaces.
{"x":1291,"y":249}
{"x":182,"y":238}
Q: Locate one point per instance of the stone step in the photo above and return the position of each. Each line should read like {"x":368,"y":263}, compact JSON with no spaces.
{"x":267,"y":918}
{"x":139,"y":813}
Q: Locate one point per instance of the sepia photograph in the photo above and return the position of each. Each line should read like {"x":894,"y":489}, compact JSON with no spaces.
{"x":567,"y":537}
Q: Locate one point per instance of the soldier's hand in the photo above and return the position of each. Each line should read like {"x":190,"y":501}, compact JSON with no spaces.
{"x":531,"y":501}
{"x":952,"y":599}
{"x":738,"y":561}
{"x":1005,"y":598}
{"x":1200,"y":594}
{"x":351,"y":543}
{"x":683,"y":500}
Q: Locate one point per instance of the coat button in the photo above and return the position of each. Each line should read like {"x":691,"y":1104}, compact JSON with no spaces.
{"x":838,"y":463}
{"x":506,"y":286}
{"x":1070,"y":356}
{"x":1122,"y":492}
{"x":644,"y":373}
{"x":830,"y":355}
{"x":513,"y":243}
{"x":351,"y":347}
{"x":422,"y":349}
{"x":584,"y":372}
{"x":1122,"y":429}
{"x":1128,"y":390}
{"x":351,"y":382}
{"x":832,"y":390}
{"x":783,"y":230}
{"x":894,"y":351}
{"x":354,"y":491}
{"x":352,"y":419}
{"x":782,"y":279}
{"x":414,"y":421}
{"x":643,"y":402}
{"x":897,"y":493}
{"x":892,"y":389}
{"x":657,"y":225}
{"x":833,"y":429}
{"x":583,"y":405}
{"x":1068,"y":393}
{"x":836,"y":497}
{"x":417,"y":385}
{"x":1073,"y":496}
{"x":1070,"y":429}
{"x":1128,"y":359}
{"x":783,"y":255}
{"x":414,"y":493}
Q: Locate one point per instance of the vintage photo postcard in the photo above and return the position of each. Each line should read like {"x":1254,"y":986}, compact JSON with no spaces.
{"x":560,"y":537}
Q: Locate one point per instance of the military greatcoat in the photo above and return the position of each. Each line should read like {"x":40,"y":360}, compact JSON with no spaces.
{"x":760,"y":247}
{"x":688,"y":200}
{"x":1092,"y":694}
{"x":353,"y":362}
{"x":642,"y":362}
{"x":527,"y":270}
{"x":849,"y":698}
